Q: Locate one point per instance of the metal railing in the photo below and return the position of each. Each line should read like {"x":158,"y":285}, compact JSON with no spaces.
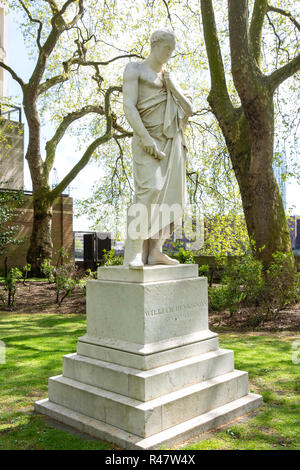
{"x":7,"y":109}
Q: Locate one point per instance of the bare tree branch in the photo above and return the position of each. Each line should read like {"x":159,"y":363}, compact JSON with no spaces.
{"x":286,"y":71}
{"x":51,"y":145}
{"x":244,"y":69}
{"x":34,"y":20}
{"x":53,"y":5}
{"x":91,"y":148}
{"x":81,"y":61}
{"x":255,"y":32}
{"x":59,"y":14}
{"x":58,"y":27}
{"x":49,"y":83}
{"x":80,"y":165}
{"x":13,"y":74}
{"x":218,"y":95}
{"x":284,"y":13}
{"x":168,"y":13}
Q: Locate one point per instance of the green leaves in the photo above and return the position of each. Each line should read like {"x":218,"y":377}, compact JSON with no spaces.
{"x":9,"y":202}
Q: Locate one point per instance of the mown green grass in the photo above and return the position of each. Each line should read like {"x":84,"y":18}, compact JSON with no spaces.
{"x":35,"y":345}
{"x":276,"y":425}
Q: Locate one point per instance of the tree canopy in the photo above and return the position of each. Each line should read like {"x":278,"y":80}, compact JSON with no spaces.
{"x":81,"y":49}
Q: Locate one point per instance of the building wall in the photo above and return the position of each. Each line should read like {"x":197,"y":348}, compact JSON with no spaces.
{"x":3,"y":48}
{"x":62,"y":231}
{"x":11,"y":154}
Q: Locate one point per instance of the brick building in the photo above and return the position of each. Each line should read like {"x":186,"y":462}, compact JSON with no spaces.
{"x":62,"y":230}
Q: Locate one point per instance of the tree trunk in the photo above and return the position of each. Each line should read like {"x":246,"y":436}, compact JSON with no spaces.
{"x":40,"y":242}
{"x":249,"y":129}
{"x":250,"y":144}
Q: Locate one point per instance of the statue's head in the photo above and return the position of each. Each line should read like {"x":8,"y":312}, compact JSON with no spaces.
{"x":163,"y":44}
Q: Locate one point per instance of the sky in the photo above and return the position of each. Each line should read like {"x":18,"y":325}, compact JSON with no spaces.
{"x":81,"y":187}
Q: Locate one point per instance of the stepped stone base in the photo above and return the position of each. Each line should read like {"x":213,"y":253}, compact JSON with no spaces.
{"x":175,"y":435}
{"x":148,"y":371}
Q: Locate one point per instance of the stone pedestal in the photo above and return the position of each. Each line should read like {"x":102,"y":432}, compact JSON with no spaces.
{"x":148,"y":371}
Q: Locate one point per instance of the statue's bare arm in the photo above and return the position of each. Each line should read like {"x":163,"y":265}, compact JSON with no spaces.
{"x":130,"y":98}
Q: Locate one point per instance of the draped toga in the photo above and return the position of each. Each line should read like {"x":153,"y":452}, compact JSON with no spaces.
{"x":160,"y":182}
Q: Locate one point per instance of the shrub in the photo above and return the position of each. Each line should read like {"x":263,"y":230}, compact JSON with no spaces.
{"x":48,"y":270}
{"x":65,"y":276}
{"x":111,"y":259}
{"x":184,"y":256}
{"x":244,"y":283}
{"x":218,"y":298}
{"x":204,"y":270}
{"x":66,"y":279}
{"x":91,"y":274}
{"x":10,"y":284}
{"x":282,"y":283}
{"x":25,"y":270}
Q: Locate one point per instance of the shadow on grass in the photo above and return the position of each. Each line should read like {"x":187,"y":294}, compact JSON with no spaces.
{"x":31,"y":431}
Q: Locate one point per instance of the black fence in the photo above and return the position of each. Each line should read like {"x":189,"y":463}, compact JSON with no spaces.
{"x":6,"y":110}
{"x":88,"y":248}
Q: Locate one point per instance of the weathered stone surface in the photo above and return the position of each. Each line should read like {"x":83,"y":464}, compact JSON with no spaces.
{"x":170,"y":437}
{"x":148,"y":273}
{"x":153,"y":416}
{"x":147,"y":385}
{"x":148,"y":371}
{"x":146,"y":313}
{"x":149,"y":357}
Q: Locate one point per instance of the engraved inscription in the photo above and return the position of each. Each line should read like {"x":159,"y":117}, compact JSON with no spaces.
{"x":181,"y":311}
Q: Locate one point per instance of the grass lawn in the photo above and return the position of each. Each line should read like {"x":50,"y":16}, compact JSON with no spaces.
{"x":34,"y":348}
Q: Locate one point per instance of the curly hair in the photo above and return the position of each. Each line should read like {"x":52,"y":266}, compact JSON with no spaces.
{"x":162,"y":35}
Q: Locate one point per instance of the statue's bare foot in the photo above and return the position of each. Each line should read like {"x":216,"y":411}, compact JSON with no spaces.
{"x":156,"y":257}
{"x":137,"y":262}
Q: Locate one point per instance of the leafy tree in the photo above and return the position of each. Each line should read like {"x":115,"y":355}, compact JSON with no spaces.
{"x":248,"y":128}
{"x":229,"y":168}
{"x":214,"y":180}
{"x":66,"y":76}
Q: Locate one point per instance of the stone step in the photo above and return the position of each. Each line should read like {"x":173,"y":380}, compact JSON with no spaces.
{"x":148,"y":418}
{"x":147,"y":273}
{"x":111,"y":352}
{"x":151,"y":384}
{"x":175,"y":435}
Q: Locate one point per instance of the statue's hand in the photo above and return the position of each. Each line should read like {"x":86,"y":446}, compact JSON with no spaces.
{"x":151,"y":148}
{"x":170,"y":82}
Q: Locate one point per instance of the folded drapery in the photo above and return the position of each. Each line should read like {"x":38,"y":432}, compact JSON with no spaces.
{"x":160,"y":184}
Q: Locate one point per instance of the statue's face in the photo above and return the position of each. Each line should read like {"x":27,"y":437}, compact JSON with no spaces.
{"x":163,"y":50}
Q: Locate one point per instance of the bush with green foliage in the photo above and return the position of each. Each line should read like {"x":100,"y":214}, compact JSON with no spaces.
{"x":66,"y":279}
{"x":48,"y":270}
{"x":282,"y":283}
{"x":184,"y":256}
{"x":10,"y":285}
{"x":111,"y":259}
{"x":203,"y":270}
{"x":65,"y":275}
{"x":244,"y":283}
{"x":25,"y":270}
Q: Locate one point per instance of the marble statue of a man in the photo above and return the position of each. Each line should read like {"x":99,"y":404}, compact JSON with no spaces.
{"x":157,"y":110}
